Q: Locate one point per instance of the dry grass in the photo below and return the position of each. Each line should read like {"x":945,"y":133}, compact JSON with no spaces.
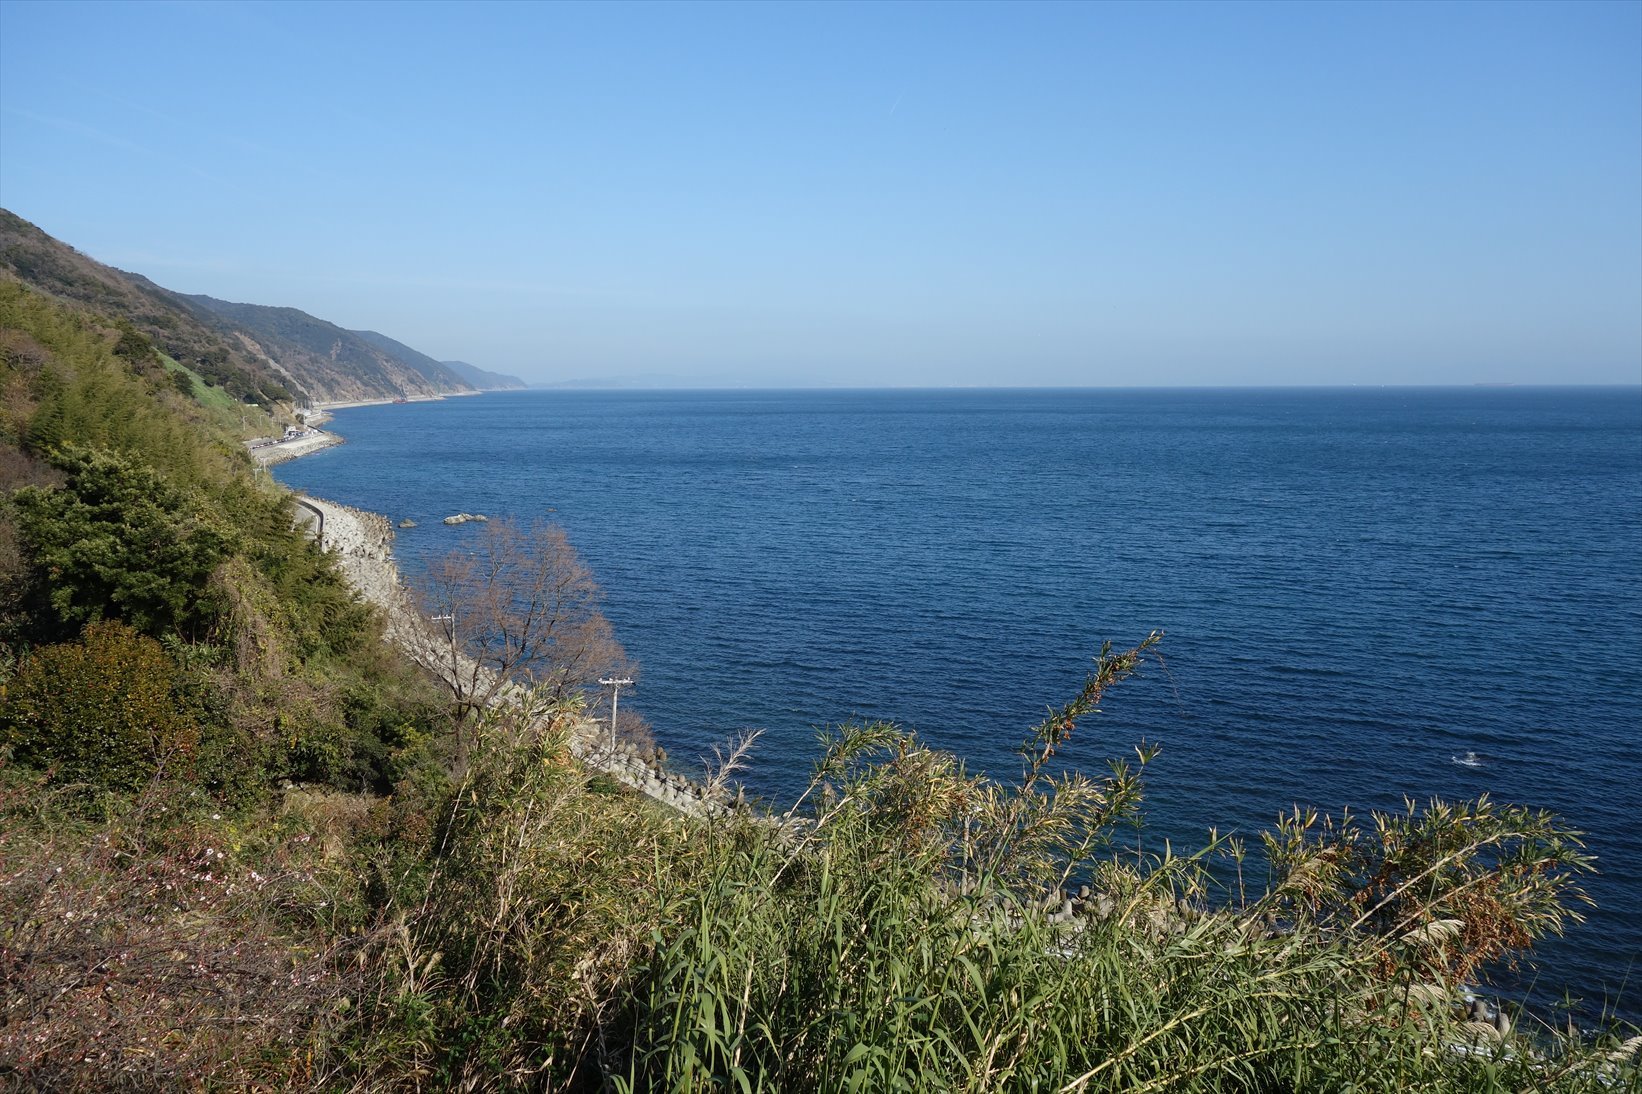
{"x":146,"y":953}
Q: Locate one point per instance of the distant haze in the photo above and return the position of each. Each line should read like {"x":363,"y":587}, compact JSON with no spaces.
{"x":896,"y":194}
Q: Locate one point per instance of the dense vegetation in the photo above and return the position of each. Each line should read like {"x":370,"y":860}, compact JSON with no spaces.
{"x":131,"y":517}
{"x":37,"y":259}
{"x":242,"y":845}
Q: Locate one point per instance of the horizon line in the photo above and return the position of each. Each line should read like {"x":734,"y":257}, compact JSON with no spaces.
{"x":576,"y":385}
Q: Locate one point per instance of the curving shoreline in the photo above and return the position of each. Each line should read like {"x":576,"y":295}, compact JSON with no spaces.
{"x":362,"y":543}
{"x":347,"y":404}
{"x":268,"y":453}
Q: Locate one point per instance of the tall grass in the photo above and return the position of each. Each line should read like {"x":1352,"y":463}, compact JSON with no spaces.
{"x":908,"y":927}
{"x":916,"y":938}
{"x":506,"y":960}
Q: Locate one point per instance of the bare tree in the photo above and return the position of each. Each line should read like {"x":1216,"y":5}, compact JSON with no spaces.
{"x":518,"y":608}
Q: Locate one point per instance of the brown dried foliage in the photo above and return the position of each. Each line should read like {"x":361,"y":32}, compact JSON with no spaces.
{"x":524,"y":610}
{"x":138,"y":958}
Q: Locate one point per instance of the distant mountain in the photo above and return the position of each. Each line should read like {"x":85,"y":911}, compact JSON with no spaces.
{"x":264,"y":354}
{"x":50,"y":266}
{"x":435,"y":371}
{"x":482,"y":379}
{"x":327,"y":361}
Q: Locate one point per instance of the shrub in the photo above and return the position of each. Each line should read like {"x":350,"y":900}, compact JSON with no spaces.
{"x":117,"y":540}
{"x":1441,"y":891}
{"x":899,"y":939}
{"x":102,"y":711}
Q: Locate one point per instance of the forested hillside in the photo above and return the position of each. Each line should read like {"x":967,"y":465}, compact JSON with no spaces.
{"x":172,"y":652}
{"x":323,"y":357}
{"x":457,"y":372}
{"x":132,"y":505}
{"x":29,"y":256}
{"x":256,"y":353}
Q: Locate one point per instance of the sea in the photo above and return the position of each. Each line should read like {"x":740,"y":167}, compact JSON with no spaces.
{"x":1369,"y":595}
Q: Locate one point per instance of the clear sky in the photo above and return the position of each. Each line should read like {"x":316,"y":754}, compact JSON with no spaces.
{"x":908,"y":194}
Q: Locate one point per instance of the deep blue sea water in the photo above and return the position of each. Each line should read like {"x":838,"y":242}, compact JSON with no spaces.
{"x":1358,"y":586}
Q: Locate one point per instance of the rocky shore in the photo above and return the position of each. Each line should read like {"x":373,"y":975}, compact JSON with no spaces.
{"x":363,"y":545}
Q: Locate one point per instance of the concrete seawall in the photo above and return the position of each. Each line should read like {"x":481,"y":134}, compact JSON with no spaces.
{"x":268,"y":453}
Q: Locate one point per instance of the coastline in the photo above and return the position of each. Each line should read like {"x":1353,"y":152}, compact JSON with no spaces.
{"x":346,"y":404}
{"x":268,"y":453}
{"x":428,"y":527}
{"x":315,"y":440}
{"x":362,"y":543}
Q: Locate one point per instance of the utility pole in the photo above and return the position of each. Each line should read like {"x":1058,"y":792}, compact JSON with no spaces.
{"x":615,"y":700}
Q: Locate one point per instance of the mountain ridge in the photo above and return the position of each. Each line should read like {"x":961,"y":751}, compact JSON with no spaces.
{"x":41,"y":262}
{"x":484,"y":379}
{"x":256,"y":352}
{"x":328,"y":362}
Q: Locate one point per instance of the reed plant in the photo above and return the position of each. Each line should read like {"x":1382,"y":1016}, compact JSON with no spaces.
{"x":910,"y":932}
{"x":505,"y":955}
{"x":911,"y":925}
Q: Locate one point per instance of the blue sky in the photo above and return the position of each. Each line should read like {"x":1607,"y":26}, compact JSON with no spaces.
{"x":907,"y":194}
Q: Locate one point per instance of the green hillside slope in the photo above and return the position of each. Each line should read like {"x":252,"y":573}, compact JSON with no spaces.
{"x":252,"y":352}
{"x":33,"y":258}
{"x":330,"y":362}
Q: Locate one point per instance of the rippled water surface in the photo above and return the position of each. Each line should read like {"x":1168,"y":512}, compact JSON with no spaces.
{"x":1359,"y":587}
